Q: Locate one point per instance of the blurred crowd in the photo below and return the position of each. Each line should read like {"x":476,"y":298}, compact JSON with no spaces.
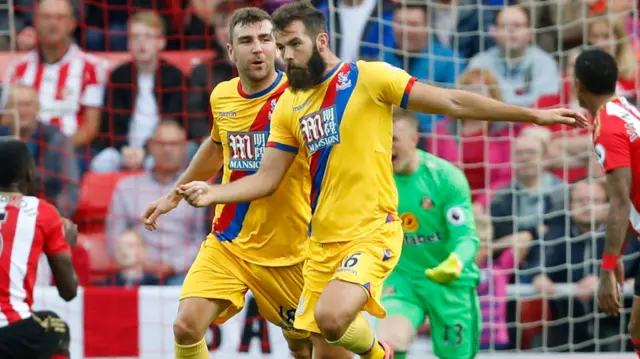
{"x":113,"y":99}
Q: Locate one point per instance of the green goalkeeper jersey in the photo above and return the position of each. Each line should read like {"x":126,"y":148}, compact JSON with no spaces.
{"x":437,"y":218}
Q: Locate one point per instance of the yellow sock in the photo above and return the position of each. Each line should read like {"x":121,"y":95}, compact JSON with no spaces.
{"x":198,"y":350}
{"x":359,"y":339}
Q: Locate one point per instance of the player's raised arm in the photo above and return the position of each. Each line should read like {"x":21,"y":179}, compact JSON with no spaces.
{"x":461,"y":227}
{"x":274,"y":165}
{"x":469,"y":106}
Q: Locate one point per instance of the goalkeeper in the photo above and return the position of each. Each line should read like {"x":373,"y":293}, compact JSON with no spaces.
{"x":436,"y":276}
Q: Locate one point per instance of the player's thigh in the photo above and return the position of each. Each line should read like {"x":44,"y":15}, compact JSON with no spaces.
{"x":405,"y":313}
{"x":367,"y":263}
{"x":324,"y":350}
{"x":277,"y":292}
{"x":215,"y":285}
{"x":456,"y":323}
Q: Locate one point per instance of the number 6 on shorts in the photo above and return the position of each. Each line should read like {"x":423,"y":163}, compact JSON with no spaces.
{"x":352,"y":260}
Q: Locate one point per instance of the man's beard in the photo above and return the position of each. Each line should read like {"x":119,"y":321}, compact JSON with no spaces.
{"x":304,"y":78}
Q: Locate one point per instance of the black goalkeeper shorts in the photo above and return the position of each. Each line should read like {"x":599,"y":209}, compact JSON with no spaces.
{"x":636,"y":284}
{"x":41,"y":336}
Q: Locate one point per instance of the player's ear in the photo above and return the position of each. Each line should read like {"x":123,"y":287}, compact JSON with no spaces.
{"x":493,"y":32}
{"x":577,"y":85}
{"x":322,"y":41}
{"x":415,"y":139}
{"x":230,"y":53}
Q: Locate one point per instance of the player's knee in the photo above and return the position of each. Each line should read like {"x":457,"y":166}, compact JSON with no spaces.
{"x":300,"y":348}
{"x":397,"y":340}
{"x":332,"y":322}
{"x":186,"y":331}
{"x":634,"y":329}
{"x":302,"y":353}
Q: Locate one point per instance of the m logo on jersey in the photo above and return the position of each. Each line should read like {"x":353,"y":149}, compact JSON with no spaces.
{"x":320,"y":130}
{"x":246,"y":150}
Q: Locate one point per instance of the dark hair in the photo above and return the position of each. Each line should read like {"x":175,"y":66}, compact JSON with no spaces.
{"x":246,"y":16}
{"x":597,"y":71}
{"x":16,"y":163}
{"x":313,"y":19}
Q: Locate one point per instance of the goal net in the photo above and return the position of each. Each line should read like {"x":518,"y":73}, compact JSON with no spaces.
{"x":538,"y":193}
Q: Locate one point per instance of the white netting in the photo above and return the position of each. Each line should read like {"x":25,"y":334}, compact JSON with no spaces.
{"x":437,"y":48}
{"x":523,"y":178}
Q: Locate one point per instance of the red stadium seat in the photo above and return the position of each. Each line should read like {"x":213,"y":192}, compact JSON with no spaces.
{"x":100,"y":263}
{"x":96,"y":190}
{"x":533,"y":314}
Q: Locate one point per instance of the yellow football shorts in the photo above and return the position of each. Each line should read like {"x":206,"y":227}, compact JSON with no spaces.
{"x":218,"y":274}
{"x":366,"y":261}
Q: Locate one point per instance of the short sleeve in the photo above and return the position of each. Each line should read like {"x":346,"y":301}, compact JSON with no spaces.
{"x":612,"y":147}
{"x":53,"y":230}
{"x":388,"y":83}
{"x":457,"y":205}
{"x":281,"y":131}
{"x":95,"y":78}
{"x":215,"y":133}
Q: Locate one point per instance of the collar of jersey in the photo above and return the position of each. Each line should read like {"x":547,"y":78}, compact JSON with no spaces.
{"x":262,"y":92}
{"x":331,"y":73}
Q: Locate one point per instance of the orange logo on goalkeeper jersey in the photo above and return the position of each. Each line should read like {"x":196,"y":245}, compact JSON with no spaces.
{"x":409,"y":222}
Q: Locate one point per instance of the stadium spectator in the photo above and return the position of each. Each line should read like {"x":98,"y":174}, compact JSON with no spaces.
{"x":624,"y":10}
{"x":58,"y":177}
{"x":106,"y":22}
{"x":481,"y":149}
{"x":24,"y":36}
{"x":496,"y":270}
{"x":525,"y":71}
{"x":208,"y":74}
{"x":570,"y":252}
{"x":357,"y":31}
{"x":139,"y":93}
{"x":608,"y":33}
{"x":410,"y":46}
{"x":70,"y":82}
{"x":199,"y":29}
{"x":568,"y":149}
{"x":174,"y":245}
{"x":461,"y":24}
{"x":533,"y":193}
{"x":130,"y":256}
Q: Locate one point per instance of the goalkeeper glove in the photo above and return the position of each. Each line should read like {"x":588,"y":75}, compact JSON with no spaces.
{"x":447,"y":271}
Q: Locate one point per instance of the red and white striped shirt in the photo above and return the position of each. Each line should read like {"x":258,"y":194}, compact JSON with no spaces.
{"x":65,"y":87}
{"x":28,"y":227}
